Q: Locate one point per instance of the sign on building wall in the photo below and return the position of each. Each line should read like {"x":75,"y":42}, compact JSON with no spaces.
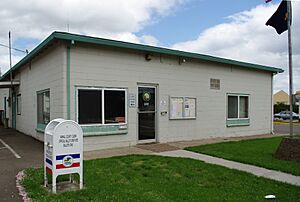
{"x":132,"y":100}
{"x":182,"y":108}
{"x":63,"y":148}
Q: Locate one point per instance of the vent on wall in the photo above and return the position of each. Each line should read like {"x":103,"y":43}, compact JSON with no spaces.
{"x":215,"y":84}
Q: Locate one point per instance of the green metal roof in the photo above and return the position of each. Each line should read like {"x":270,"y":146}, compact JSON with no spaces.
{"x":133,"y":46}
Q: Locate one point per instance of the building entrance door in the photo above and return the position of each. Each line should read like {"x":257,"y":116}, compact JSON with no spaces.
{"x":146,"y":114}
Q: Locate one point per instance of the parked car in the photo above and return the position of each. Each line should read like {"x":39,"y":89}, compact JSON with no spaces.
{"x":285,"y":115}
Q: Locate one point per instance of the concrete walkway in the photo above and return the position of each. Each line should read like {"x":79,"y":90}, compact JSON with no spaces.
{"x":258,"y":171}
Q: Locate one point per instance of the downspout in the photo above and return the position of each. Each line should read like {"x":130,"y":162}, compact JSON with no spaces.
{"x":68,"y":83}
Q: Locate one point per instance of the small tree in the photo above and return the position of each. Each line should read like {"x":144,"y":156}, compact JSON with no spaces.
{"x":280,"y":106}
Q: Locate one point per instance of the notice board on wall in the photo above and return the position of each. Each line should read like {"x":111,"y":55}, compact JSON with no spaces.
{"x":182,"y":108}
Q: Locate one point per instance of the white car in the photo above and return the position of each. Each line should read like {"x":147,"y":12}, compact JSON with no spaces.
{"x":285,"y":115}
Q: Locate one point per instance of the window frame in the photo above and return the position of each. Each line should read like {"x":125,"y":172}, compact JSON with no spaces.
{"x":42,"y":92}
{"x":19,"y":107}
{"x":238,"y":95}
{"x":102,"y":89}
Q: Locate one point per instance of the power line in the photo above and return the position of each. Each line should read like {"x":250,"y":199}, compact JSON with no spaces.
{"x":16,"y":49}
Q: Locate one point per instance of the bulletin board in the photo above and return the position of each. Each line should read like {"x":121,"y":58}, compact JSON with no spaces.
{"x":182,"y":108}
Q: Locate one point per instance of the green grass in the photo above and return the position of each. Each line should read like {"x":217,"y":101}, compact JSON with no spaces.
{"x":155,"y":178}
{"x":258,"y":152}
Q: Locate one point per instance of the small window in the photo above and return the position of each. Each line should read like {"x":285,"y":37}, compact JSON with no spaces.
{"x":89,"y":106}
{"x":233,"y":107}
{"x":43,"y":107}
{"x":19,"y":104}
{"x":101,"y":106}
{"x":238,"y":107}
{"x":114,"y":106}
{"x":243,"y":107}
{"x":215,"y":84}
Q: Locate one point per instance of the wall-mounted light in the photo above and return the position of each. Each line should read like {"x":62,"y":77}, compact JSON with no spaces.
{"x":181,"y":60}
{"x":148,"y":57}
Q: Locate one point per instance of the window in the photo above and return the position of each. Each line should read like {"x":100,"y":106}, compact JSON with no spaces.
{"x":19,"y":104}
{"x":215,"y":84}
{"x":238,"y":107}
{"x":43,"y":107}
{"x":89,"y":106}
{"x":114,"y":106}
{"x":101,"y":106}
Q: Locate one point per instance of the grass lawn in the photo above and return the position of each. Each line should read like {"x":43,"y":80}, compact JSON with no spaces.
{"x":155,"y":178}
{"x":258,"y":152}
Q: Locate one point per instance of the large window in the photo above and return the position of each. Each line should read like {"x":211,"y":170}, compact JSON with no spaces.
{"x":238,"y":107}
{"x":43,"y":107}
{"x":101,"y":106}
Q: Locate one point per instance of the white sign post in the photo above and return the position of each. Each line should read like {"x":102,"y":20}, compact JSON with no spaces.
{"x":63,"y":146}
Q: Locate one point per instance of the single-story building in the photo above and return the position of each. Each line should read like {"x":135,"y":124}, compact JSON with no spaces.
{"x":124,"y":93}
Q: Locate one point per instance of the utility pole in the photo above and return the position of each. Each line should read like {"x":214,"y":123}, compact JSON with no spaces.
{"x":11,"y":81}
{"x":289,"y":20}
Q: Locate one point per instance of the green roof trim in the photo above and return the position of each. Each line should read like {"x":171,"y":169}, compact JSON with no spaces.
{"x":133,"y":46}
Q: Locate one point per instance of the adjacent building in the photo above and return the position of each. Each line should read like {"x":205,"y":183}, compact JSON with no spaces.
{"x":124,"y":93}
{"x":281,"y":97}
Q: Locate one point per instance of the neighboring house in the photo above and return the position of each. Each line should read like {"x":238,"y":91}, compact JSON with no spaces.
{"x":4,"y":105}
{"x":123,"y":93}
{"x":281,"y":97}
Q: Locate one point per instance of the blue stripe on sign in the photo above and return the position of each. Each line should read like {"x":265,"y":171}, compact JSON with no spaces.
{"x":74,"y":156}
{"x":49,"y":161}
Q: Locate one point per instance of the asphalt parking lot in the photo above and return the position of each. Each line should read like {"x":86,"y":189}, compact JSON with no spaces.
{"x":17,"y":151}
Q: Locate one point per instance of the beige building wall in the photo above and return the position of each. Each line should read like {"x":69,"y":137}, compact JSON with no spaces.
{"x":93,"y":66}
{"x":45,"y":72}
{"x":281,"y":97}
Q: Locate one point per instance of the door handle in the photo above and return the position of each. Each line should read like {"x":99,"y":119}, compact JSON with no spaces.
{"x":146,"y":112}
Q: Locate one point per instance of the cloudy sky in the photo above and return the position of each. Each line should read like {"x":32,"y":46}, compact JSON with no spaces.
{"x":229,"y":28}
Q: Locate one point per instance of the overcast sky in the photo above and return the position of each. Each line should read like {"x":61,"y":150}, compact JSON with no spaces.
{"x":231,"y":29}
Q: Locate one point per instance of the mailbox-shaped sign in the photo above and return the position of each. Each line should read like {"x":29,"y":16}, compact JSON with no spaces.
{"x":63,"y":150}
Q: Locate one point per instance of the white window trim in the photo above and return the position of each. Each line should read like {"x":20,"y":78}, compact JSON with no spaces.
{"x":238,"y":95}
{"x":41,"y":92}
{"x":102,"y":106}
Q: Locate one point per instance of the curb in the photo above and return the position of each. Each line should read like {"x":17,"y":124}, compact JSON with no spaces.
{"x":19,"y":177}
{"x":285,"y":123}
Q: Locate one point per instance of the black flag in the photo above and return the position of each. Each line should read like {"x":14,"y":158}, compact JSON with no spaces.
{"x":279,"y":20}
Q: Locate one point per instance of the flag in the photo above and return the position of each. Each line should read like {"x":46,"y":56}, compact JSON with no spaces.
{"x":279,"y":20}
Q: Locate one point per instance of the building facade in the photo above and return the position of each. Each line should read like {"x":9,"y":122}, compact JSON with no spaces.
{"x":281,"y":97}
{"x":124,"y":94}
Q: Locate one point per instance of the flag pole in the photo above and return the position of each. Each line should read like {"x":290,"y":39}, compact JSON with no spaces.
{"x":289,"y":10}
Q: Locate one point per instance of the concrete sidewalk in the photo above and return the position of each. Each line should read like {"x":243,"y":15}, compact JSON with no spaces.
{"x":258,"y":171}
{"x":147,"y":148}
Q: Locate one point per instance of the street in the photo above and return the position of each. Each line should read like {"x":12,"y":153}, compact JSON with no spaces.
{"x":285,"y":128}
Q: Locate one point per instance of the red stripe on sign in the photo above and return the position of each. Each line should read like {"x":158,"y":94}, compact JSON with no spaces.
{"x":60,"y":166}
{"x":48,"y":170}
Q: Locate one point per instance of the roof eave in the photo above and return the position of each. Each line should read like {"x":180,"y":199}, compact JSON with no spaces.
{"x":133,"y":46}
{"x":147,"y":48}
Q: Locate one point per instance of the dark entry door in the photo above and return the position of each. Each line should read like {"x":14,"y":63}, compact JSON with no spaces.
{"x":147,"y":112}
